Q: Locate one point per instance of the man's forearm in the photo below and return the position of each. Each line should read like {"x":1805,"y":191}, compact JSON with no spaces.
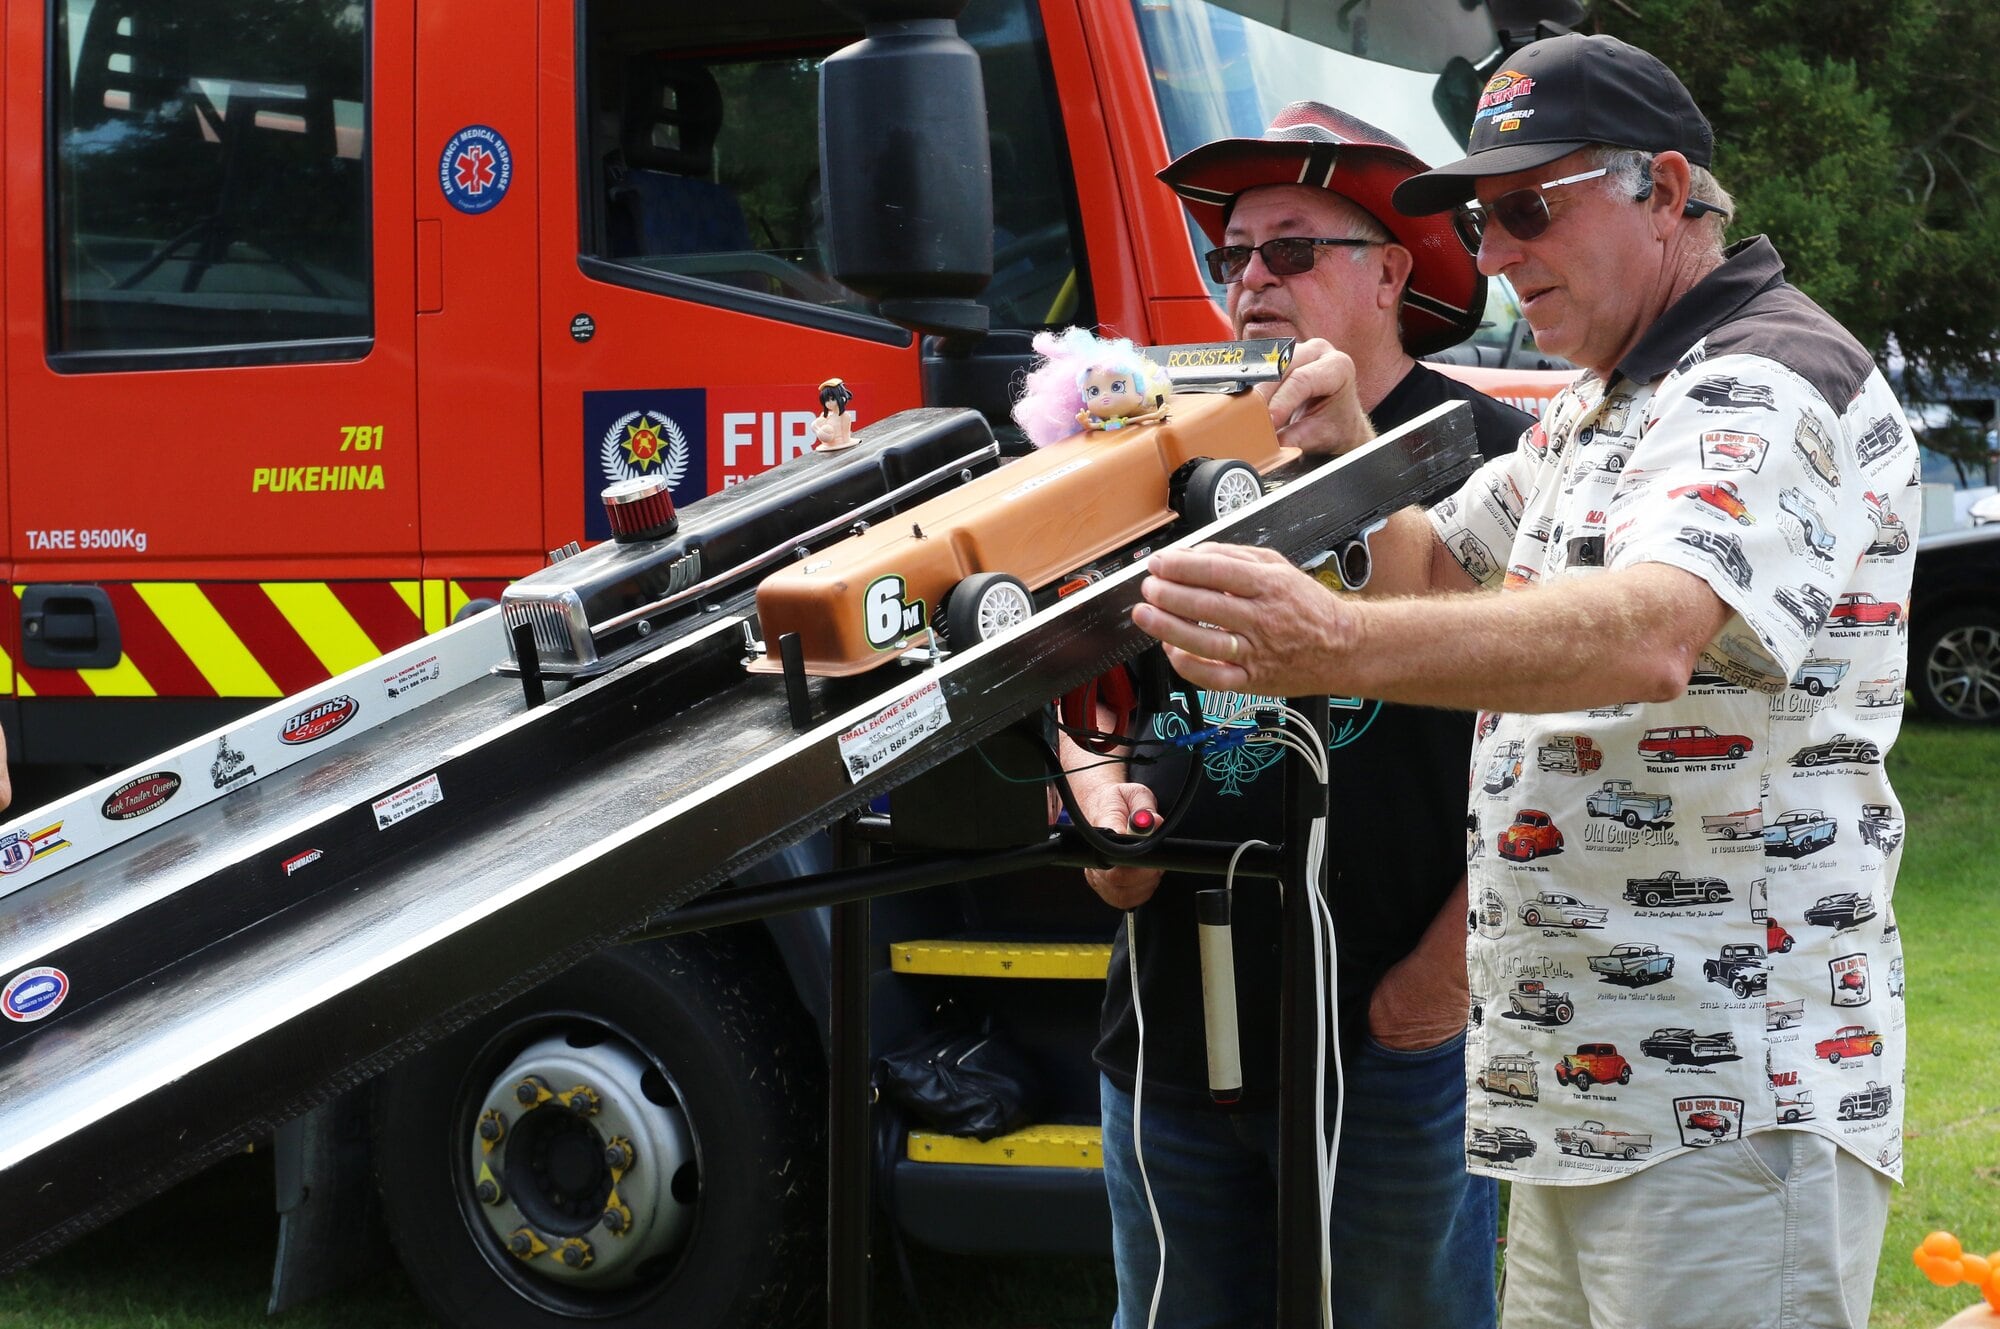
{"x":1623,"y":637}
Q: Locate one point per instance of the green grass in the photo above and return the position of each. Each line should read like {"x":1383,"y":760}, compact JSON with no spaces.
{"x":199,"y":1257}
{"x":1948,"y":909}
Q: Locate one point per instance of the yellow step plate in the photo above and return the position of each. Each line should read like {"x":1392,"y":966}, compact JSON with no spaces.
{"x":1036,"y":1146}
{"x":1002,"y":959}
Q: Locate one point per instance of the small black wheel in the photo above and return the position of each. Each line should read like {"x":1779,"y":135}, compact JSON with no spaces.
{"x":1815,"y":687}
{"x":1631,"y":819}
{"x":1217,"y":488}
{"x":984,"y":606}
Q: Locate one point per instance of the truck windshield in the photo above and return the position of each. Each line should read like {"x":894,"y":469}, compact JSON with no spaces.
{"x":1218,"y":74}
{"x":1409,"y":68}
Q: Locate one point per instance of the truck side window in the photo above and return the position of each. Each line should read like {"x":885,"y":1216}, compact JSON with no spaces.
{"x":1039,"y":273}
{"x":703,"y":161}
{"x":209,"y":183}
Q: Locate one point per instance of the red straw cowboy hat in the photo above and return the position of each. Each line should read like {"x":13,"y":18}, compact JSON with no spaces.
{"x":1309,"y":143}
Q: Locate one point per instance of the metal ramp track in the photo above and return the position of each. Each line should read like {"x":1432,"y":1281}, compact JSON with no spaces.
{"x":109,"y":1106}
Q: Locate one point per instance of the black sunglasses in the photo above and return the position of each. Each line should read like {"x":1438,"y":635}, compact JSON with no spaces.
{"x":1524,"y":213}
{"x":1286,"y":256}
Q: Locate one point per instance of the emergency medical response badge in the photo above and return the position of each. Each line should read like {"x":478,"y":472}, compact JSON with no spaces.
{"x":475,"y":169}
{"x":629,"y":435}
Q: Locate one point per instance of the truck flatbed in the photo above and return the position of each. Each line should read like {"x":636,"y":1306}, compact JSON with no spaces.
{"x":559,"y":829}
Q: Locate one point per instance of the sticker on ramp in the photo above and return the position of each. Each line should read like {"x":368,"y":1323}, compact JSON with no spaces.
{"x":893,"y":730}
{"x":33,"y":993}
{"x":407,"y":801}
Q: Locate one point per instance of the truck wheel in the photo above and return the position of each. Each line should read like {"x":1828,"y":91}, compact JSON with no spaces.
{"x":1631,"y":819}
{"x":984,"y":606}
{"x":1740,"y":988}
{"x":1815,"y":688}
{"x":682,"y":1184}
{"x":1217,"y":488}
{"x":1563,"y":1012}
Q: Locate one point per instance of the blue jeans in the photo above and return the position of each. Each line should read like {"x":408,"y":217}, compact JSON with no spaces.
{"x":1413,"y":1235}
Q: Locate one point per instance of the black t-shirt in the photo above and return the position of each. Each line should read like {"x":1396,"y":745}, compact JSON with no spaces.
{"x":1395,"y":848}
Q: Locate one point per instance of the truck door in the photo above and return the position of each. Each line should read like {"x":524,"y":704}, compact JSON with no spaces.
{"x":212,"y":464}
{"x":688,"y":320}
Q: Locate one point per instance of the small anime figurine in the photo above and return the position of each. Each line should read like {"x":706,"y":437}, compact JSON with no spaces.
{"x":1089,"y":382}
{"x":833,"y":429}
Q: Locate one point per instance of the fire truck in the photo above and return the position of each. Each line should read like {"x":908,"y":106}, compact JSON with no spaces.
{"x":355,"y":306}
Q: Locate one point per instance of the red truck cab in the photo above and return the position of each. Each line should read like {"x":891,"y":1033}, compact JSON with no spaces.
{"x":377,"y":321}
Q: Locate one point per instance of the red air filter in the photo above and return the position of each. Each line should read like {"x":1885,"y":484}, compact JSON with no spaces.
{"x":640,"y":509}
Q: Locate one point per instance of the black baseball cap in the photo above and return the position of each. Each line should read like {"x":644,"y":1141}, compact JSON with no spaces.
{"x":1556,"y":96}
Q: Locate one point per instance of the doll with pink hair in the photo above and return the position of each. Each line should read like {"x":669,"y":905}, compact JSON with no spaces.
{"x":1088,"y":382}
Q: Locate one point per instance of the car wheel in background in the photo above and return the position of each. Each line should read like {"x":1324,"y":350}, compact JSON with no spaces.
{"x":1955,"y":666}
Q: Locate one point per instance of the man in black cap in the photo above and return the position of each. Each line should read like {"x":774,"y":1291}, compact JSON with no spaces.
{"x":1308,"y":247}
{"x":1698,"y":1101}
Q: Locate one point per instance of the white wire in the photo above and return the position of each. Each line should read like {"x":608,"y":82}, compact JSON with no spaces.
{"x":1326,"y":976}
{"x":1229,"y":878}
{"x":1138,"y":1084}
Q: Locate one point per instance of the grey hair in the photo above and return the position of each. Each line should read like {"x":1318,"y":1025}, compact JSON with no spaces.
{"x":1629,"y":169}
{"x":1362,"y":225}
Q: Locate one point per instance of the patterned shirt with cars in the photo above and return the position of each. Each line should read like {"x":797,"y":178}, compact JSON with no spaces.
{"x":1681,"y":928}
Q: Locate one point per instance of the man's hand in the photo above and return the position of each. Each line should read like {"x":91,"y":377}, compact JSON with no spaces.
{"x":1109,"y":807}
{"x":1423,"y":999}
{"x":1245,"y":619}
{"x":1316,"y":407}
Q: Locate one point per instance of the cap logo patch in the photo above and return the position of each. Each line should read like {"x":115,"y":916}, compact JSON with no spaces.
{"x":1504,"y":87}
{"x":1501,"y":92}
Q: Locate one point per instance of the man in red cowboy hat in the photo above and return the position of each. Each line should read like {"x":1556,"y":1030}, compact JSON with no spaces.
{"x":1308,"y":247}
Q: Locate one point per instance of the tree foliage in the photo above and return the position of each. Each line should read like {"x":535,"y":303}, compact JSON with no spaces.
{"x":1862,"y":136}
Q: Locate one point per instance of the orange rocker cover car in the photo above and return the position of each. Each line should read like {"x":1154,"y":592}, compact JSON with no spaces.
{"x":972,"y":559}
